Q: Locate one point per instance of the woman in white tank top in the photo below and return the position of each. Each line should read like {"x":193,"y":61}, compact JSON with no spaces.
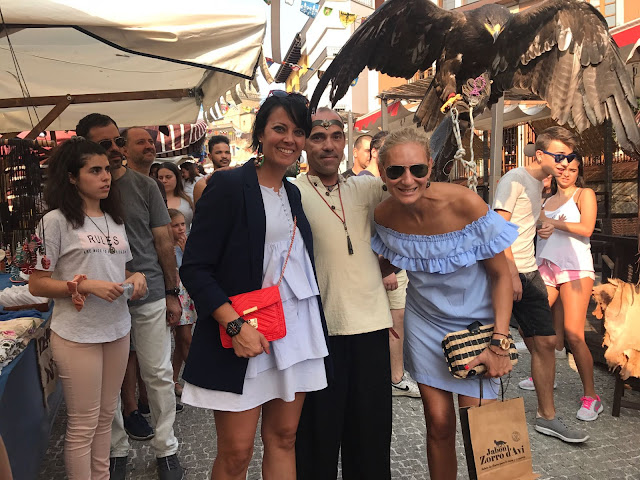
{"x":566,"y":265}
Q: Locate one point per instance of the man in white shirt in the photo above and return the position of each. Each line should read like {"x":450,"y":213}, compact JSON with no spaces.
{"x":518,"y":199}
{"x":353,"y":414}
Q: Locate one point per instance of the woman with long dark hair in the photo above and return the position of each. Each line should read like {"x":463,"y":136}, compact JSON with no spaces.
{"x":83,"y":270}
{"x":190,"y":177}
{"x":249,"y":230}
{"x":170,"y":176}
{"x":566,"y":266}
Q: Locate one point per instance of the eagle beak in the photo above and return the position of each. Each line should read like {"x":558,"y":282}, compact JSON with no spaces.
{"x":494,"y":30}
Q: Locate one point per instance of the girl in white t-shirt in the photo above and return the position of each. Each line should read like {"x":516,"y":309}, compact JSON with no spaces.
{"x":83,"y":269}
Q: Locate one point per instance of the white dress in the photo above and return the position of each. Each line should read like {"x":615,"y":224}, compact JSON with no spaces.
{"x":296,"y":362}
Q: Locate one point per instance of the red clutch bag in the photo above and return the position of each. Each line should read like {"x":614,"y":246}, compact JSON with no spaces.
{"x":262,"y":309}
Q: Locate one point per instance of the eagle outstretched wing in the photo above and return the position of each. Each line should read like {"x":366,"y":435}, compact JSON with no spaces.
{"x":562,"y":51}
{"x":398,"y":39}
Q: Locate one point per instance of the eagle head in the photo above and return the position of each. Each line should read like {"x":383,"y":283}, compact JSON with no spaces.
{"x":494,"y":18}
{"x":494,"y":30}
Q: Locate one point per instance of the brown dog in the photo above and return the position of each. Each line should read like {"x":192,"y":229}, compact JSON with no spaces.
{"x":619,"y":303}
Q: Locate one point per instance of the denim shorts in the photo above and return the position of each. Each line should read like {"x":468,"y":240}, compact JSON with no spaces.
{"x":532,"y":312}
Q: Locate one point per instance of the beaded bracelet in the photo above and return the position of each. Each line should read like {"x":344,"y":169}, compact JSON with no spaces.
{"x":499,"y":354}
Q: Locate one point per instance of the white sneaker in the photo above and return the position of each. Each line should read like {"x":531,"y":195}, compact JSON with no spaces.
{"x":406,"y":387}
{"x":561,"y":353}
{"x":590,"y":409}
{"x":527,"y":384}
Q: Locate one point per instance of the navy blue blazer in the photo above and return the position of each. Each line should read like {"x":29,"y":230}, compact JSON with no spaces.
{"x":223,"y":257}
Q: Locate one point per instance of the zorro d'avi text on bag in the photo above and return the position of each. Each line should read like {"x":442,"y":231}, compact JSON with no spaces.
{"x":463,"y":346}
{"x":262,"y":309}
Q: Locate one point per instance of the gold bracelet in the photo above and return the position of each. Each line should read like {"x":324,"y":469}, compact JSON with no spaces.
{"x":508,"y":335}
{"x":145,"y":277}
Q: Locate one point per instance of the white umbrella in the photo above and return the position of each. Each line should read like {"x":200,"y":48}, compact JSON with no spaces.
{"x":140,"y":62}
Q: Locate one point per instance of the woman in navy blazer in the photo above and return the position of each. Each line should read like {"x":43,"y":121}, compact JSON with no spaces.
{"x":236,"y":221}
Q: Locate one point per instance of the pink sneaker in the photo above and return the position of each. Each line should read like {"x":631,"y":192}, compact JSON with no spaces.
{"x":590,"y":408}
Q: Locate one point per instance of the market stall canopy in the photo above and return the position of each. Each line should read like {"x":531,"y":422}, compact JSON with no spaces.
{"x":372,"y":121}
{"x":137,"y":62}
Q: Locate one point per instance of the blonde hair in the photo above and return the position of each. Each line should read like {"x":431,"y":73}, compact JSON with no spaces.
{"x":400,"y":137}
{"x":174,"y":212}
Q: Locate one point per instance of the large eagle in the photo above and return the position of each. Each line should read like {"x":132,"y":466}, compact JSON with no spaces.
{"x":559,"y":50}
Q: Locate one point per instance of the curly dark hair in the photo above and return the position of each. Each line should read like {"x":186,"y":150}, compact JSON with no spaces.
{"x":296,"y":106}
{"x":59,"y":193}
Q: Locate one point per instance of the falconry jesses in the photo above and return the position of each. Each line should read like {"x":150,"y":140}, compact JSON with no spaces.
{"x":560,"y":50}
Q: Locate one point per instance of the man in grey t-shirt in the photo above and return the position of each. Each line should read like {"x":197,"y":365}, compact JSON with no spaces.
{"x":518,"y":199}
{"x":146,"y":220}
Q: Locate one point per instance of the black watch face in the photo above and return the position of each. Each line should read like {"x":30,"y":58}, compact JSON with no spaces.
{"x":233,"y":328}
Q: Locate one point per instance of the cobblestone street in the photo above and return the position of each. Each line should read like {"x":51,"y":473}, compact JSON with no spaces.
{"x":612,"y":453}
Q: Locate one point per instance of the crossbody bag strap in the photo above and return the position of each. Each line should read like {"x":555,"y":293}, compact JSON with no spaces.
{"x":293,"y":236}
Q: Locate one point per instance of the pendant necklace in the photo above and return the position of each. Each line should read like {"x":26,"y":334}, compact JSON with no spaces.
{"x":112,"y":250}
{"x":342,"y":219}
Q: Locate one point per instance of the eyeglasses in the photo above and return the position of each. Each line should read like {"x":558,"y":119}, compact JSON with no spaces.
{"x":106,"y":144}
{"x":419,"y":170}
{"x":559,"y":157}
{"x":282,"y":94}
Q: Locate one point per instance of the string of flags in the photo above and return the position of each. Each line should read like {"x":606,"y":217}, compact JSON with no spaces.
{"x":311,"y":9}
{"x":270,"y":61}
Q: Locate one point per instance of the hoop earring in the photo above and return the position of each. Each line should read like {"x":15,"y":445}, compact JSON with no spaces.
{"x":428,"y":184}
{"x":384,"y":187}
{"x":259,"y":160}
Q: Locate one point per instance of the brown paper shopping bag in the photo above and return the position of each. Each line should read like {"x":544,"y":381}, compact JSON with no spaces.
{"x":496,"y":441}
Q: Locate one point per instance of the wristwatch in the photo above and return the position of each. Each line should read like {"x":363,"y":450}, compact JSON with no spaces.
{"x":503,"y":343}
{"x":234,"y":326}
{"x":172,"y":291}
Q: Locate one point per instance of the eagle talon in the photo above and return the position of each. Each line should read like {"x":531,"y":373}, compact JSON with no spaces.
{"x":450,"y":102}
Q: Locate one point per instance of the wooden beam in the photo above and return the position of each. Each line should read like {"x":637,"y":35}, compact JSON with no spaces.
{"x":97,"y":97}
{"x":608,"y":173}
{"x":384,"y":114}
{"x":49,"y":118}
{"x":350,"y":140}
{"x":495,"y":168}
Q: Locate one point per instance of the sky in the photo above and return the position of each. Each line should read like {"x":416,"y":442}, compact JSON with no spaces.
{"x":291,"y":22}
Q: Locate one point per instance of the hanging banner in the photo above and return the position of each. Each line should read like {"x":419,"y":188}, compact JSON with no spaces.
{"x":327,"y":11}
{"x":347,"y":18}
{"x":309,"y":8}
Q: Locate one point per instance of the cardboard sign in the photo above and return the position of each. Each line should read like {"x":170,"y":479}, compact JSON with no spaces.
{"x":46,"y":365}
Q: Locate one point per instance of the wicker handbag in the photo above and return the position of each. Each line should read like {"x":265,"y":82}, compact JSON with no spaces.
{"x":463,"y":346}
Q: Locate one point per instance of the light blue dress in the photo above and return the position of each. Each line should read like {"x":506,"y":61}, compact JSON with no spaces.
{"x":448,"y":290}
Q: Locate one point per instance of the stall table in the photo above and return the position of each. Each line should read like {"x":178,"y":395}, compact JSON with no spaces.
{"x":25,"y":422}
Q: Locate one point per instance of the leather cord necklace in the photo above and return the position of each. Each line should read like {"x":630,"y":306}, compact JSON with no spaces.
{"x":112,"y":250}
{"x":342,"y":219}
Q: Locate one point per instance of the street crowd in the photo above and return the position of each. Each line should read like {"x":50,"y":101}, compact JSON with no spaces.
{"x":371,"y":268}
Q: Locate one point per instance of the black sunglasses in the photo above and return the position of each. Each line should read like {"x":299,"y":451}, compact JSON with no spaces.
{"x":419,"y":170}
{"x":559,"y":157}
{"x":282,"y":94}
{"x":106,"y":144}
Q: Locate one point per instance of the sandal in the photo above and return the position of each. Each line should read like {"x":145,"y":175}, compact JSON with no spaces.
{"x":178,"y":389}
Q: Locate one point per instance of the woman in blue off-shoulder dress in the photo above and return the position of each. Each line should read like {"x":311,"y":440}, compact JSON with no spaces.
{"x":451,"y":243}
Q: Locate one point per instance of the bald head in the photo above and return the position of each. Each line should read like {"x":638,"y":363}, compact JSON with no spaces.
{"x":140,"y":149}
